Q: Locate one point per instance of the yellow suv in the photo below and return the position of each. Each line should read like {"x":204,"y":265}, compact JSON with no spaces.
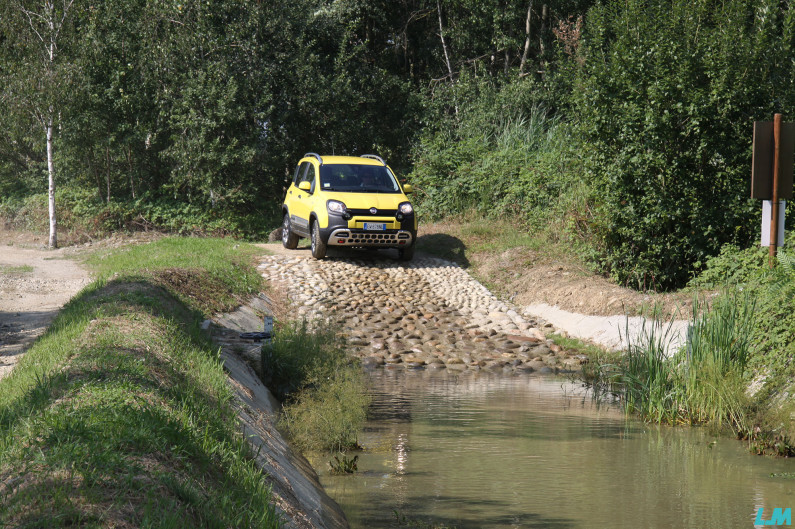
{"x":348,"y":201}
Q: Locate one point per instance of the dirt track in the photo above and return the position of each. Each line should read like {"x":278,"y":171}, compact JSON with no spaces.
{"x":34,"y":284}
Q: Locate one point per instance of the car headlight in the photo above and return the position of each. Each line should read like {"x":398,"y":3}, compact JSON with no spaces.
{"x":406,"y":208}
{"x":335,"y":206}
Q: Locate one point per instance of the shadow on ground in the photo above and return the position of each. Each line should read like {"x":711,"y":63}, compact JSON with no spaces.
{"x":444,"y":246}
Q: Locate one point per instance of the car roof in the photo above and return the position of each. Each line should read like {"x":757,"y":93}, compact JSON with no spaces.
{"x":347,"y":159}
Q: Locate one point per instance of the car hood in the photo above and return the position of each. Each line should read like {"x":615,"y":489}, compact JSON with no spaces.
{"x":369,"y":200}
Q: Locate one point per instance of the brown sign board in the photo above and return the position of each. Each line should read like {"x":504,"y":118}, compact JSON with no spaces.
{"x":762,"y":161}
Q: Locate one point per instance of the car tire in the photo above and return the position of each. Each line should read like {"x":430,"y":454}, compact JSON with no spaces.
{"x":406,"y":254}
{"x":318,"y":246}
{"x":289,"y":239}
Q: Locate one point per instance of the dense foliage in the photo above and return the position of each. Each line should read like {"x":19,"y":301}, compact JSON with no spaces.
{"x":667,"y":96}
{"x":630,"y":120}
{"x":502,"y":153}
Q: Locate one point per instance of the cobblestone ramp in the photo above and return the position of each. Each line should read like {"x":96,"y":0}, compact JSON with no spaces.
{"x":429,"y":314}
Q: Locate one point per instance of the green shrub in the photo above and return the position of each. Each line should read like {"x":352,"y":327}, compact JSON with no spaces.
{"x":329,"y":412}
{"x":501,"y":153}
{"x":732,"y":266}
{"x":80,"y":209}
{"x":299,"y":353}
{"x":773,"y":336}
{"x":666,"y":100}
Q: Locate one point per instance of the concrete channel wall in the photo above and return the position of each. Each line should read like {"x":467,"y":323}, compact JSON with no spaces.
{"x":297,"y":492}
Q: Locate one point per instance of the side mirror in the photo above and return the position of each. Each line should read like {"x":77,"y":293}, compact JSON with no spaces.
{"x":407,"y":188}
{"x":305,"y":186}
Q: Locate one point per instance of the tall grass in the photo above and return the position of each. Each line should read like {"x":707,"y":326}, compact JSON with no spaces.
{"x":715,"y":359}
{"x":700,"y":384}
{"x":325,"y":393}
{"x":495,"y":164}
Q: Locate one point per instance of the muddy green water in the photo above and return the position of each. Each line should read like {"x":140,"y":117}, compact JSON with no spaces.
{"x":478,"y":450}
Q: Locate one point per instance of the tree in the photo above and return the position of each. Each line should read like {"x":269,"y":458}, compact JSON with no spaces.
{"x":37,"y":82}
{"x":667,"y":96}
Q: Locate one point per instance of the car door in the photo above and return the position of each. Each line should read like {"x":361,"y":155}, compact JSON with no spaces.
{"x":301,"y":205}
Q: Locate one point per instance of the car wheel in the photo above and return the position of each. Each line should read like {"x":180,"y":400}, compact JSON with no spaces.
{"x":318,"y":246}
{"x":406,"y":254}
{"x":289,"y":239}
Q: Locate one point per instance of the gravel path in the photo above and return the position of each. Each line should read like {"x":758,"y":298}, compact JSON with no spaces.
{"x":34,"y":284}
{"x":428,"y":313}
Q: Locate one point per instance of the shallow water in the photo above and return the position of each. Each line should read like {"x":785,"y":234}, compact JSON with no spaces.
{"x":480,"y":450}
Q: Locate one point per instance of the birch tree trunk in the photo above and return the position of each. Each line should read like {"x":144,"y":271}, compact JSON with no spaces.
{"x":526,"y":39}
{"x":50,"y":119}
{"x":51,"y":174}
{"x":444,"y":47}
{"x":444,"y":44}
{"x":46,"y":26}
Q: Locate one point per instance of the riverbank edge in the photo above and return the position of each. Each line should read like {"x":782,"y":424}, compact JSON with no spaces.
{"x":127,"y":406}
{"x":549,"y":281}
{"x":296,"y":486}
{"x":293,"y":486}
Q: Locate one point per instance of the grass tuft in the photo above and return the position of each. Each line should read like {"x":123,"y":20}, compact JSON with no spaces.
{"x":15,"y":270}
{"x":325,"y":393}
{"x":702,"y":383}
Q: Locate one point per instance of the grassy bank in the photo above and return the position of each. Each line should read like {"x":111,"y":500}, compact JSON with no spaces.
{"x":120,"y":414}
{"x":736,"y":372}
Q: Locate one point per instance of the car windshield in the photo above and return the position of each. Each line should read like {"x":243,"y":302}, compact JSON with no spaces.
{"x":354,"y":178}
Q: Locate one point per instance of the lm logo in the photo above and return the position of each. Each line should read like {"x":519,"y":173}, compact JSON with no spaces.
{"x":779,"y":517}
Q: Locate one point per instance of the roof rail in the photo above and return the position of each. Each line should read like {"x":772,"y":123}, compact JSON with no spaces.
{"x":316,"y":155}
{"x":374,"y":157}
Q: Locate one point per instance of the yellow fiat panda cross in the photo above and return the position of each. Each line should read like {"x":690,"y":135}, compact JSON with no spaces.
{"x":348,"y":201}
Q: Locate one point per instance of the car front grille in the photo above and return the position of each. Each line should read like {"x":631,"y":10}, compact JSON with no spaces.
{"x":390,"y":238}
{"x":366,"y":212}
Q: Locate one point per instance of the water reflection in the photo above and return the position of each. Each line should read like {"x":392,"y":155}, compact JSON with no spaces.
{"x":478,"y":450}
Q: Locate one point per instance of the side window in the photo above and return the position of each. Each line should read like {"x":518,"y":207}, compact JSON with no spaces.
{"x":300,"y":171}
{"x":310,"y":177}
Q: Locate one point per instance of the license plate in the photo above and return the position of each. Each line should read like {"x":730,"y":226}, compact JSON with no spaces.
{"x":374,"y":226}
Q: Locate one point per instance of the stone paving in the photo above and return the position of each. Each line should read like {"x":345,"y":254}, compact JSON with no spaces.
{"x":428,"y":313}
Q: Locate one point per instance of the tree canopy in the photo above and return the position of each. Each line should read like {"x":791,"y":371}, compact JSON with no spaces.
{"x":631,"y":119}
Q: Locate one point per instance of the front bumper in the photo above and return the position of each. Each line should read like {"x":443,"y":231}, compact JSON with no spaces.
{"x":376,"y":239}
{"x":349,"y":232}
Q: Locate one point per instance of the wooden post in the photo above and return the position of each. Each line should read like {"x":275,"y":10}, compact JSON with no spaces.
{"x":776,"y":171}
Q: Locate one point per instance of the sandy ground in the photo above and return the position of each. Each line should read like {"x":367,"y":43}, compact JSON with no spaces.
{"x":34,"y":284}
{"x":612,"y":332}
